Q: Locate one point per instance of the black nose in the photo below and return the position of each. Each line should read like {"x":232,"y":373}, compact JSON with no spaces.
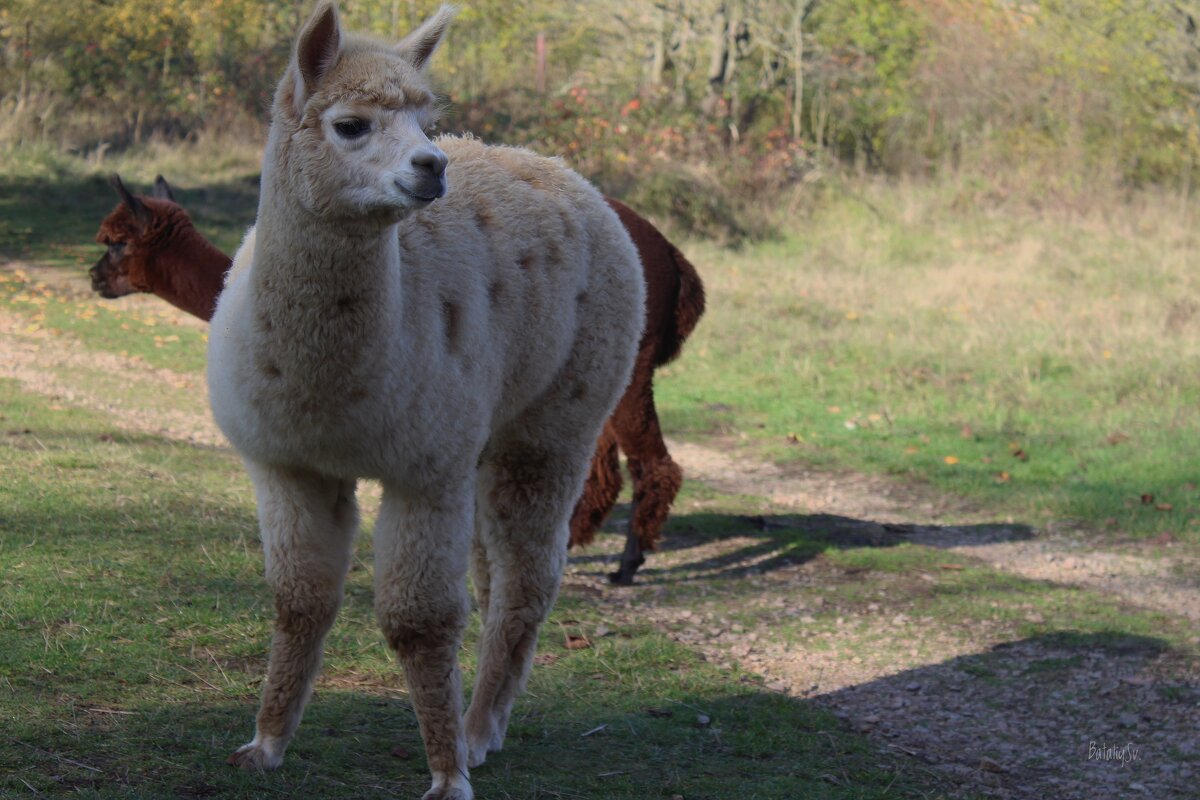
{"x":431,"y":161}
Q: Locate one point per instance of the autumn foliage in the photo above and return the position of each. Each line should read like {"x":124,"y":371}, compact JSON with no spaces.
{"x":695,"y":110}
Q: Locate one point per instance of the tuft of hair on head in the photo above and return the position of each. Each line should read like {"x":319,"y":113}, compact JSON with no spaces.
{"x":318,"y":46}
{"x":419,"y":45}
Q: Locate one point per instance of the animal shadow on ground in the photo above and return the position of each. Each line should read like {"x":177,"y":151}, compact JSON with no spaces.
{"x":1064,"y":715}
{"x":697,"y":546}
{"x":623,"y":742}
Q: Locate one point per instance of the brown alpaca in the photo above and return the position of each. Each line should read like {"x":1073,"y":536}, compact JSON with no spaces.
{"x":153,"y":247}
{"x":184,"y":269}
{"x":674,"y":303}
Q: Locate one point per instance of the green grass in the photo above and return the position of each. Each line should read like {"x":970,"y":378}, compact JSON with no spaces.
{"x":51,"y":204}
{"x":134,"y":621}
{"x":1042,"y":364}
{"x":134,"y":626}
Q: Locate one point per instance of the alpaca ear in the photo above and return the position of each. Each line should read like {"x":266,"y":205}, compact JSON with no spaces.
{"x":141,"y":214}
{"x":317,"y":49}
{"x":419,"y":45}
{"x":162,"y":189}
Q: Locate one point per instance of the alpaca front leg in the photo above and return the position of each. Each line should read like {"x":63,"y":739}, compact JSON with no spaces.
{"x":421,"y":601}
{"x":308,"y":524}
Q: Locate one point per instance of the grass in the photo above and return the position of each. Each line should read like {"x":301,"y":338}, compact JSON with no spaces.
{"x":1042,"y":364}
{"x":135,"y":630}
{"x":1039,"y":362}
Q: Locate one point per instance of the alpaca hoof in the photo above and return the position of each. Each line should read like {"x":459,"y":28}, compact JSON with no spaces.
{"x":621,"y":578}
{"x":457,"y":793}
{"x":478,"y":746}
{"x":458,"y":788}
{"x":476,"y":756}
{"x":255,"y":756}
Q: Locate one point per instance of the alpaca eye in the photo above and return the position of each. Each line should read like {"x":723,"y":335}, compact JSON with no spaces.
{"x":351,"y":128}
{"x":116,"y":248}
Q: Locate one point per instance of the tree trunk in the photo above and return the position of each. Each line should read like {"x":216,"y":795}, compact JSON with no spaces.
{"x":716,"y":61}
{"x":680,"y":60}
{"x":658,"y":60}
{"x":797,"y":72}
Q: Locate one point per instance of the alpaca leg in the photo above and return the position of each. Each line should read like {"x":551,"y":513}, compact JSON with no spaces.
{"x":600,"y":492}
{"x":656,"y":477}
{"x":421,"y":555}
{"x":308,"y":523}
{"x":528,"y":496}
{"x":631,"y":556}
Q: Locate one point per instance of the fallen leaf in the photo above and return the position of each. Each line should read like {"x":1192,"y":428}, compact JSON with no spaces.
{"x":951,"y":459}
{"x":1003,"y":477}
{"x":1116,"y":437}
{"x":401,"y":752}
{"x":544,"y":659}
{"x":951,"y":566}
{"x":1147,"y":499}
{"x":1164,"y":506}
{"x":577,"y":642}
{"x":793,"y":438}
{"x":1020,"y":455}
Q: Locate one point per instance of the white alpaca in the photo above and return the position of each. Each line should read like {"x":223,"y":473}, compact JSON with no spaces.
{"x":451,"y":319}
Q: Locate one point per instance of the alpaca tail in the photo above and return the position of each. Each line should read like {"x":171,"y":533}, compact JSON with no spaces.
{"x":689,"y":307}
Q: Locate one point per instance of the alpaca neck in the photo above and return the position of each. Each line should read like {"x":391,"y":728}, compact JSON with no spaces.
{"x":317,"y":255}
{"x":323,"y":280}
{"x":191,"y":273}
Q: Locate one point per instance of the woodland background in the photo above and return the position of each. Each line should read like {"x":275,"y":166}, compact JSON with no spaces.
{"x":706,"y":113}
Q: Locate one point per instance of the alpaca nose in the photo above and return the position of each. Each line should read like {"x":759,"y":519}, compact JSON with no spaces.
{"x":429,"y":162}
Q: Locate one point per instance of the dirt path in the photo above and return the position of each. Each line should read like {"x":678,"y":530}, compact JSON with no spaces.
{"x":993,"y":717}
{"x":886,"y":507}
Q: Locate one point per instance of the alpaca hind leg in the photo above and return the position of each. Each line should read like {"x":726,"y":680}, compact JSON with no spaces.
{"x":656,"y":477}
{"x":631,"y":556}
{"x":529,"y":495}
{"x":421,"y":557}
{"x":308,"y":523}
{"x":600,"y":492}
